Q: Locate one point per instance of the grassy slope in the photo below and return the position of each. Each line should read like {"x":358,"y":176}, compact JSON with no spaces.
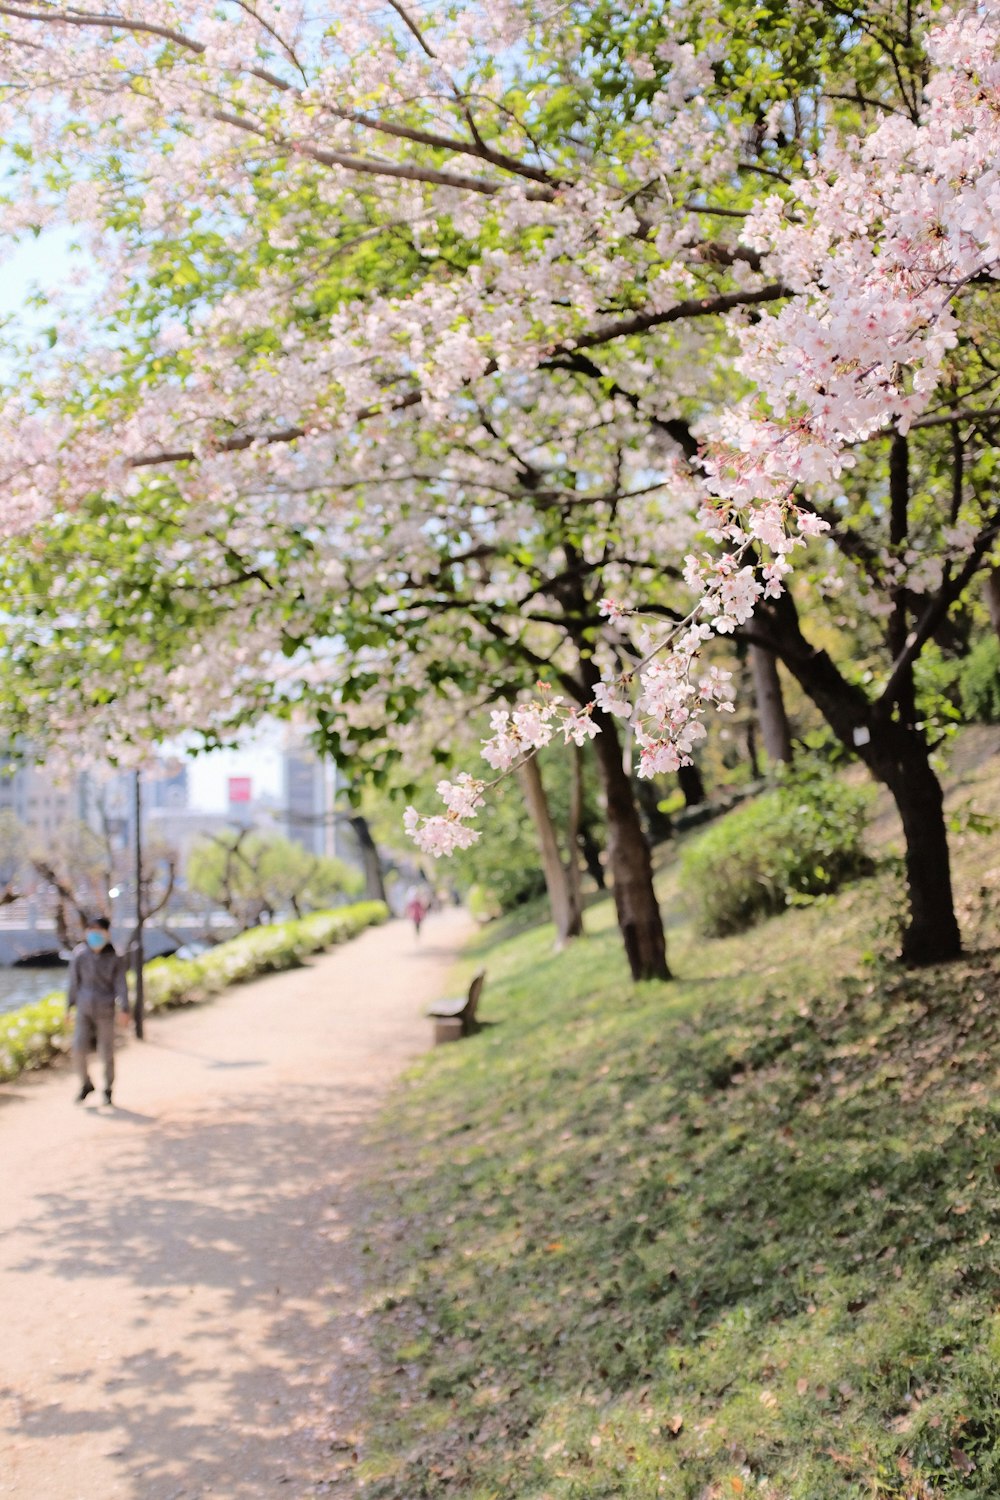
{"x":732,"y":1236}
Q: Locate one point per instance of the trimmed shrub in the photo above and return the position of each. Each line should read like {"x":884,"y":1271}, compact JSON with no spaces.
{"x":801,"y":840}
{"x":171,"y":982}
{"x":32,"y":1036}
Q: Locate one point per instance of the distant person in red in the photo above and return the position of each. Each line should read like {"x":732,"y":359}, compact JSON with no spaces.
{"x":97,"y":984}
{"x":416,"y":910}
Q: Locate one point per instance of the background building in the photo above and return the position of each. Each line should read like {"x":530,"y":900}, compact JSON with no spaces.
{"x":308,"y":813}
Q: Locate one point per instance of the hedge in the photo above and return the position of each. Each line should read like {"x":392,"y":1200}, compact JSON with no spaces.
{"x":34,"y":1035}
{"x":801,"y":840}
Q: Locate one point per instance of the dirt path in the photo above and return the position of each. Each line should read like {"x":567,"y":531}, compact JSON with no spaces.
{"x":179,"y":1282}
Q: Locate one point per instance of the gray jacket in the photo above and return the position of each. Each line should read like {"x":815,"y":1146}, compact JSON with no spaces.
{"x":97,"y":980}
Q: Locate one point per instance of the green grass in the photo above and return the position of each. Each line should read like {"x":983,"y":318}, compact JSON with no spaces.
{"x":732,"y":1236}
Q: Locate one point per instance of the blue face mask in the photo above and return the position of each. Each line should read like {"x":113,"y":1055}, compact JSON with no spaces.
{"x":96,"y":940}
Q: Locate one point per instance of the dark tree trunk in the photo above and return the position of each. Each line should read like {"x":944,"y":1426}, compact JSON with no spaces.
{"x":752,"y":754}
{"x":590,"y":849}
{"x":691,"y":785}
{"x":573,"y":826}
{"x":628,"y":861}
{"x":898,"y":625}
{"x":658,"y":825}
{"x":629,"y":864}
{"x":771,"y":716}
{"x":897,"y":755}
{"x":370,"y":861}
{"x":563,"y":901}
{"x":900,"y":760}
{"x":586,"y":843}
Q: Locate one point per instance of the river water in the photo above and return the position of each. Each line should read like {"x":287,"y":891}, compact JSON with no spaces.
{"x":22,"y":986}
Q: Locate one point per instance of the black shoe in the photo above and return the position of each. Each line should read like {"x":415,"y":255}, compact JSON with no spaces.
{"x":85,"y":1089}
{"x":107,"y":1096}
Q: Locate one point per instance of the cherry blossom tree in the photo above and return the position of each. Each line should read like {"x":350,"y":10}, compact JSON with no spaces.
{"x":317,"y":242}
{"x":483,"y":576}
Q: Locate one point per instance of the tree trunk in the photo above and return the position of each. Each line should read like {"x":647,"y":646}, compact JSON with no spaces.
{"x":898,"y":756}
{"x":586,"y":843}
{"x":991,"y":592}
{"x":370,"y":861}
{"x":575,"y":823}
{"x":771,"y":716}
{"x":658,"y":825}
{"x":566,"y":912}
{"x":900,"y":760}
{"x":691,"y":785}
{"x":629,"y":862}
{"x":751,"y":741}
{"x":898,"y":623}
{"x":590,"y":849}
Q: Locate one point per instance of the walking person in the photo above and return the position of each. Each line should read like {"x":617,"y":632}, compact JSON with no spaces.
{"x":416,"y":910}
{"x":97,"y":984}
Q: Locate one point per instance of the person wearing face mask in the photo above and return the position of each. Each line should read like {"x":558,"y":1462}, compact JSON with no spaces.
{"x":97,"y":983}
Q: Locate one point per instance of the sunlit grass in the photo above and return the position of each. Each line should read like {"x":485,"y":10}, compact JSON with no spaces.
{"x":728,"y":1236}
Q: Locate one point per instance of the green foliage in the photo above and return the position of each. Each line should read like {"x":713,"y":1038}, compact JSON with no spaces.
{"x":32,"y":1036}
{"x":937,"y":679}
{"x":801,"y":840}
{"x":979,"y":682}
{"x":483,"y":904}
{"x":728,"y":1237}
{"x":257,"y":874}
{"x":171,"y":982}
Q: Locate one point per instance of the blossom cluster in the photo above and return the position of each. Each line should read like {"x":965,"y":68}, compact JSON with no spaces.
{"x":446,"y":832}
{"x":876,"y":247}
{"x":516,"y":735}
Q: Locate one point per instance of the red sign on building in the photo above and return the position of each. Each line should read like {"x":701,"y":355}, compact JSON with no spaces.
{"x":240,"y":788}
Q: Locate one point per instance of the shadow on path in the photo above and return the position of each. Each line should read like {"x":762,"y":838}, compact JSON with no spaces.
{"x":236,"y":1208}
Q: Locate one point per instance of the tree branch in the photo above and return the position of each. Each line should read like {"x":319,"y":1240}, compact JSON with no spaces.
{"x":950,"y":590}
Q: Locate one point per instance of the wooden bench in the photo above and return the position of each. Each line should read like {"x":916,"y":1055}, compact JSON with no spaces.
{"x":454,"y":1019}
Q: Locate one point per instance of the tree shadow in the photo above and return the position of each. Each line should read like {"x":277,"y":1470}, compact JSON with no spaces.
{"x":214,"y":1226}
{"x":427,"y":950}
{"x":210,"y":1062}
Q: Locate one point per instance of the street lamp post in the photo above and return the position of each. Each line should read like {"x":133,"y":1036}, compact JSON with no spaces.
{"x":140,"y":957}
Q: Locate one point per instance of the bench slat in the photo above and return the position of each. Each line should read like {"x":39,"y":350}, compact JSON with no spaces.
{"x":449,"y":1007}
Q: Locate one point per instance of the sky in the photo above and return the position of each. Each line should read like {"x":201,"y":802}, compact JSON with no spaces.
{"x":259,"y":758}
{"x":44,"y":262}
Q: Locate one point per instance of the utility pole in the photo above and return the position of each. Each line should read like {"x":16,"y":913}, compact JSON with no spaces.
{"x":140,"y":999}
